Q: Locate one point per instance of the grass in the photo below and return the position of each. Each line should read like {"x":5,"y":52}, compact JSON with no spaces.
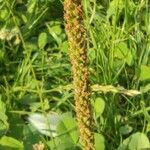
{"x":35,"y":74}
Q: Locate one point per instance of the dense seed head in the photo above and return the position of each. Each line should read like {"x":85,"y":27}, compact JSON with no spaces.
{"x":77,"y":40}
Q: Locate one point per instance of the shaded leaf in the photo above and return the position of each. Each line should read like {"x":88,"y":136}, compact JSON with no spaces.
{"x":125,"y":129}
{"x":3,"y":118}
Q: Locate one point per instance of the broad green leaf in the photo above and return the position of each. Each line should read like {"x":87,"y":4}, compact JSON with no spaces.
{"x":67,"y":129}
{"x":122,"y":50}
{"x":28,"y":99}
{"x":4,"y":14}
{"x":57,"y":29}
{"x":123,"y":53}
{"x":31,"y":46}
{"x":115,"y":7}
{"x":136,"y":141}
{"x":57,"y":144}
{"x":16,"y":124}
{"x":145,"y":88}
{"x":45,"y":123}
{"x":55,"y":26}
{"x":31,"y":6}
{"x":99,"y":106}
{"x":139,"y":141}
{"x":24,"y":18}
{"x":32,"y":136}
{"x":145,"y":72}
{"x":125,"y":129}
{"x":129,"y":58}
{"x":42,"y":40}
{"x":64,"y":46}
{"x":10,"y":143}
{"x":99,"y":141}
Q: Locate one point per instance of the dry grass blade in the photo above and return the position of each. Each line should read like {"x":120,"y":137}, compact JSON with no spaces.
{"x":113,"y":89}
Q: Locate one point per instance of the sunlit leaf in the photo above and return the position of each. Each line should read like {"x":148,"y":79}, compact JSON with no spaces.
{"x":45,"y":123}
{"x":9,"y":143}
{"x":31,"y":6}
{"x":145,"y":72}
{"x":99,"y":106}
{"x":145,"y":88}
{"x":42,"y":40}
{"x":115,"y":6}
{"x":99,"y":142}
{"x":136,"y":141}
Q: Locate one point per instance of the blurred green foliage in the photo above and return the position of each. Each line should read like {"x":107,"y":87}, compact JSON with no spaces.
{"x":35,"y":72}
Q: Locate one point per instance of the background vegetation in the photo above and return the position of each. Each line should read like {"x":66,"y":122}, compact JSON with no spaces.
{"x":35,"y":73}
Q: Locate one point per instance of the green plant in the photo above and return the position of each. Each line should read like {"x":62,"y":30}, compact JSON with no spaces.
{"x":35,"y":74}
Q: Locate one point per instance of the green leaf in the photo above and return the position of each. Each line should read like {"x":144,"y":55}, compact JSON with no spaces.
{"x":2,"y":106}
{"x":42,"y":40}
{"x":15,"y":126}
{"x":137,"y":141}
{"x":4,"y":14}
{"x":145,"y":72}
{"x":67,"y":129}
{"x":3,"y":118}
{"x":115,"y":7}
{"x":2,"y":54}
{"x":9,"y":143}
{"x":64,"y":46}
{"x":125,"y":129}
{"x":55,"y":30}
{"x":145,"y":88}
{"x":31,"y":46}
{"x":60,"y":145}
{"x":31,"y":136}
{"x":31,"y":6}
{"x":99,"y":106}
{"x":123,"y":53}
{"x":45,"y":123}
{"x":92,"y":54}
{"x":99,"y":141}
